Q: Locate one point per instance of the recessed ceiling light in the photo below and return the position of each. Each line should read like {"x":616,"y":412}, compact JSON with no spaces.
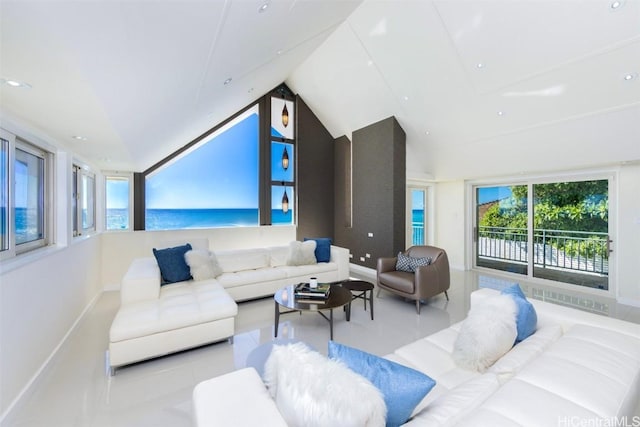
{"x":479,"y":65}
{"x":501,"y":113}
{"x":264,"y":7}
{"x":79,"y":138}
{"x":279,"y":52}
{"x":226,"y":82}
{"x":630,"y":76}
{"x":406,"y":98}
{"x":427,"y":133}
{"x":616,"y":4}
{"x":15,"y":83}
{"x":370,"y":63}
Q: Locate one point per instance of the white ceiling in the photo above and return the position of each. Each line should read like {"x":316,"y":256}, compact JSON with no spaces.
{"x":141,"y":78}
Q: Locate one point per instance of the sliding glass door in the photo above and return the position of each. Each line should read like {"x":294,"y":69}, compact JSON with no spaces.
{"x":553,"y":230}
{"x":571,"y":232}
{"x":501,"y":233}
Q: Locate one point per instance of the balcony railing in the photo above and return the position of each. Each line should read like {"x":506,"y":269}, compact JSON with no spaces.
{"x":418,"y":233}
{"x":578,"y":251}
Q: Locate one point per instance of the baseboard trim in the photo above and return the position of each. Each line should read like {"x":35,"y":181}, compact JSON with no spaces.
{"x":363,"y":271}
{"x":628,"y":301}
{"x":35,"y":376}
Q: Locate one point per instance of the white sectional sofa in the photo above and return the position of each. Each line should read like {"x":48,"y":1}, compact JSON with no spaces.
{"x":155,"y":320}
{"x":578,"y":368}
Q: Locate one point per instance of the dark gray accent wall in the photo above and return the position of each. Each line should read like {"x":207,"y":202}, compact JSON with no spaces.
{"x":138,"y":201}
{"x":315,"y":175}
{"x":378,"y":192}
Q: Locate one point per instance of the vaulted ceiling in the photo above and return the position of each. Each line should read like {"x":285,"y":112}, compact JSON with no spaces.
{"x":482,"y":87}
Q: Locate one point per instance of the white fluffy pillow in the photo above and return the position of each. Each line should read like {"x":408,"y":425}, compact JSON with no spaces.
{"x":203,"y":264}
{"x":487,"y":333}
{"x":302,"y":253}
{"x":312,"y":390}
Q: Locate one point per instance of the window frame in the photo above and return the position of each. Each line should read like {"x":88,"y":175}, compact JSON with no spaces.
{"x":121,"y":176}
{"x":80,"y":172}
{"x":47,"y":183}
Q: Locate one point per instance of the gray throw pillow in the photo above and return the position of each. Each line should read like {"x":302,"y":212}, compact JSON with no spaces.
{"x":410,"y":264}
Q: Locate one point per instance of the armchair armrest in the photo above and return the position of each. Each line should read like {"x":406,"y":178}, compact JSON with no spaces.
{"x":141,"y":282}
{"x":386,"y":264}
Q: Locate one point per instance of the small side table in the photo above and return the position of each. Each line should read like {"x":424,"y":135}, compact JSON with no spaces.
{"x":361,"y":289}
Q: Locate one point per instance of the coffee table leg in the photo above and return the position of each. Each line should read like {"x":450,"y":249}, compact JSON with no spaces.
{"x":331,"y":323}
{"x":277,"y":320}
{"x":371,"y":302}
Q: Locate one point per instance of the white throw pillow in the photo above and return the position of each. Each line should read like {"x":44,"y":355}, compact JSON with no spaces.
{"x":312,"y":390}
{"x":487,"y":333}
{"x":203,"y":264}
{"x":302,"y":253}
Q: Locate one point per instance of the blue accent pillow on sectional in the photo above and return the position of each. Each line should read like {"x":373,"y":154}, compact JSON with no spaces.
{"x":323,"y":248}
{"x":173,"y":266}
{"x":526,"y":319}
{"x":402,"y":387}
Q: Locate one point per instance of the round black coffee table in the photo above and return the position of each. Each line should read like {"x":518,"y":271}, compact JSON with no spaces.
{"x":338,"y":297}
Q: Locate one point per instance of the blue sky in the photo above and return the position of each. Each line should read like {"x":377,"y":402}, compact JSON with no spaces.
{"x":490,"y":194}
{"x":222,"y":174}
{"x":417,"y":200}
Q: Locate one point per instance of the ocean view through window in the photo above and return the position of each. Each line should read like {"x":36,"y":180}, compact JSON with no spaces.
{"x":214,"y":184}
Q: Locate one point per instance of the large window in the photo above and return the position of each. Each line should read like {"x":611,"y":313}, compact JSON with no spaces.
{"x":24,"y":193}
{"x":213,"y":184}
{"x":549,"y":230}
{"x":118,"y":195}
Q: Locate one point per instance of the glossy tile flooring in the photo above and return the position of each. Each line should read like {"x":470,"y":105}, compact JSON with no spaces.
{"x":76,"y":390}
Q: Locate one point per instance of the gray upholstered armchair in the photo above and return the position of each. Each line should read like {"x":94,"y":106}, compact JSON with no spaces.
{"x":427,"y":281}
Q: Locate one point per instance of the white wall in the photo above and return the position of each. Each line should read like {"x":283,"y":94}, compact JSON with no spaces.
{"x":39,"y":303}
{"x":627,"y":248}
{"x":453,"y":216}
{"x":450,"y":221}
{"x":119,"y":248}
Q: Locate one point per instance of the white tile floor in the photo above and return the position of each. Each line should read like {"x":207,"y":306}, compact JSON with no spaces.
{"x":76,"y":390}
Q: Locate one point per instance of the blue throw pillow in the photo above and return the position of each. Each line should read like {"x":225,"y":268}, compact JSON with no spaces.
{"x":526,"y":319}
{"x":402,"y":387}
{"x":173,"y":267}
{"x":323,"y":248}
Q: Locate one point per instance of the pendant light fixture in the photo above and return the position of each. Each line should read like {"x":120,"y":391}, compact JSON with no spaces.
{"x":285,"y":115}
{"x":285,"y":202}
{"x":285,"y":159}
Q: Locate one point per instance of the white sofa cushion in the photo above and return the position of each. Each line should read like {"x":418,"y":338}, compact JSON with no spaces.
{"x":278,"y":255}
{"x":449,"y":408}
{"x":311,"y":390}
{"x":525,"y":351}
{"x":241,"y":278}
{"x":180,"y":305}
{"x":243,"y":259}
